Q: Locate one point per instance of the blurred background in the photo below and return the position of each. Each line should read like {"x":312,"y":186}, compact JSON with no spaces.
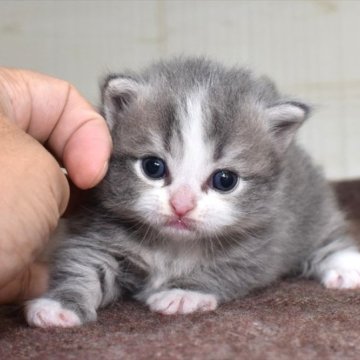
{"x":310,"y":48}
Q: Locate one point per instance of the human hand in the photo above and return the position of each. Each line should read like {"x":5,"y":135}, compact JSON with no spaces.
{"x":36,"y":109}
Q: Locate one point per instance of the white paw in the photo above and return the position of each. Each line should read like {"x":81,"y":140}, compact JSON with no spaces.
{"x":47,"y":313}
{"x":342,"y":279}
{"x":342,"y":270}
{"x":178,"y":301}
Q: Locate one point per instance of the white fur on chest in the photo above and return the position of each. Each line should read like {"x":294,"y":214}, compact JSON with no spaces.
{"x":165,"y":264}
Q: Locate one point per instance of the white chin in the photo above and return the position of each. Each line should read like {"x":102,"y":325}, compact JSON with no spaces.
{"x":179,"y":233}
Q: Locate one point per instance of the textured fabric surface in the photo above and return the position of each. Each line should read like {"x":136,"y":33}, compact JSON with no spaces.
{"x":294,"y":318}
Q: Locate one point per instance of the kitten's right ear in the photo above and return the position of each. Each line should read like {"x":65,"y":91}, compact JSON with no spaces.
{"x":117,"y":93}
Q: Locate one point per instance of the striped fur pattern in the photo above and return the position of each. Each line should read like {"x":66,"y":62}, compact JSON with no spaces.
{"x":177,"y":243}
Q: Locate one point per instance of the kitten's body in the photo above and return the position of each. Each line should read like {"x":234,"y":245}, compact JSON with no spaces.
{"x":180,"y":242}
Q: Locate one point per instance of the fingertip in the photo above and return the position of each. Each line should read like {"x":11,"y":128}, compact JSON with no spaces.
{"x":86,"y":155}
{"x":87,"y":179}
{"x":101,"y":174}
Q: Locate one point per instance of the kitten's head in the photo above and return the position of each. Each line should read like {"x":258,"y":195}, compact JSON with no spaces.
{"x":198,"y":148}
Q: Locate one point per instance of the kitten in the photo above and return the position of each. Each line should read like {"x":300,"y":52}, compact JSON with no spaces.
{"x":207,"y":197}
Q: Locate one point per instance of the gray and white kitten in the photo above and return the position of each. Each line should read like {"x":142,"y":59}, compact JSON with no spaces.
{"x":207,"y":197}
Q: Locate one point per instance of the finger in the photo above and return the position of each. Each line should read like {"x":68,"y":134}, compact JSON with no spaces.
{"x":34,"y":192}
{"x":82,"y":141}
{"x":28,"y":284}
{"x":53,"y":112}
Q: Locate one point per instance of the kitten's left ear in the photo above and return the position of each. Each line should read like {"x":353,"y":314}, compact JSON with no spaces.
{"x":118,"y":92}
{"x":284,"y":119}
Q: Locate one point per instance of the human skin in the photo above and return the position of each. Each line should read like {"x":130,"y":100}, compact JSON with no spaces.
{"x":44,"y":123}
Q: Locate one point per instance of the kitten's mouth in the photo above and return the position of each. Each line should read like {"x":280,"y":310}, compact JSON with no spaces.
{"x":180,"y":224}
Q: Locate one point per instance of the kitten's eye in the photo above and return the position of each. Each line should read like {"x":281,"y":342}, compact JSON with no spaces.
{"x":154,"y":167}
{"x":224,"y":180}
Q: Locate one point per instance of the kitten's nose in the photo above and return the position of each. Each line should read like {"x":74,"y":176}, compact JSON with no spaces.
{"x":182,"y":200}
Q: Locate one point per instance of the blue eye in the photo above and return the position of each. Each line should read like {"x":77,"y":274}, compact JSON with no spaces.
{"x":154,"y":167}
{"x":224,"y":180}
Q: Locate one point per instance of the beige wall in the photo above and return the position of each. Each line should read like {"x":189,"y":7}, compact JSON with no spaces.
{"x":311,"y":48}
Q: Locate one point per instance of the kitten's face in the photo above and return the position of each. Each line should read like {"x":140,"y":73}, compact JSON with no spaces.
{"x":192,"y":164}
{"x":189,"y":190}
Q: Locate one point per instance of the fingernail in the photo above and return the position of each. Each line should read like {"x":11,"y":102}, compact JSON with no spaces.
{"x":99,"y":176}
{"x":103,"y":171}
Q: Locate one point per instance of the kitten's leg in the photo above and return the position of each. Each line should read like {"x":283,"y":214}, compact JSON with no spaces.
{"x":336,"y":265}
{"x":179,"y":301}
{"x":81,"y":281}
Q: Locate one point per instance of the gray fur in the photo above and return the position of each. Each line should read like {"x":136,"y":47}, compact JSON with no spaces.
{"x":288,"y":224}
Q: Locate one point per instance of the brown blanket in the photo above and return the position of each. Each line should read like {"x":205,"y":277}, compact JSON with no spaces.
{"x":294,"y":318}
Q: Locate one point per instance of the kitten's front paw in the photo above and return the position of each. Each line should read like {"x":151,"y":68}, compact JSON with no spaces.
{"x":342,"y":271}
{"x":47,"y":313}
{"x":342,"y":279}
{"x":178,"y":301}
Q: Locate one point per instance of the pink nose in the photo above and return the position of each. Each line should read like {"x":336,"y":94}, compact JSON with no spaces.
{"x":182,"y":201}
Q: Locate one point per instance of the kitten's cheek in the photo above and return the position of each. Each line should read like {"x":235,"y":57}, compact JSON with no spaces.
{"x":213,"y":214}
{"x":149,"y":208}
